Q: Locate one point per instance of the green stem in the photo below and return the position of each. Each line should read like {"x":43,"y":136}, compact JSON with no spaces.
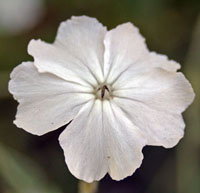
{"x":84,"y":187}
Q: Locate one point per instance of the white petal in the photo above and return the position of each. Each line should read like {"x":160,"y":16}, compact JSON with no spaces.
{"x":77,"y":53}
{"x":83,"y":142}
{"x":46,"y":101}
{"x":159,"y":89}
{"x":56,"y":60}
{"x":123,"y":46}
{"x":124,"y":142}
{"x":158,"y":60}
{"x":152,"y":60}
{"x":125,"y":50}
{"x":100,"y":140}
{"x":154,"y":102}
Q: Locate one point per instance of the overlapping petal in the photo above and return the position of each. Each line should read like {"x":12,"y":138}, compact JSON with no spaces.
{"x":46,"y":101}
{"x":77,"y":53}
{"x":104,"y":140}
{"x":83,"y":143}
{"x":125,"y":50}
{"x":123,"y":46}
{"x":146,"y":65}
{"x":83,"y":37}
{"x":124,"y":142}
{"x":154,"y":101}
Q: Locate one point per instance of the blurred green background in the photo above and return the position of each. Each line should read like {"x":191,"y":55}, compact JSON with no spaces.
{"x":31,"y":164}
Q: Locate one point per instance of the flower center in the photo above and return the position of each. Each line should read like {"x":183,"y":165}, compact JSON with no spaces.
{"x":103,"y":92}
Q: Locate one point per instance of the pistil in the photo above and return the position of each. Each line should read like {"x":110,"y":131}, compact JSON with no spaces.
{"x":103,"y":92}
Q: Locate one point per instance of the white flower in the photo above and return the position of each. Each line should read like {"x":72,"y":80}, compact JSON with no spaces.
{"x":119,"y":96}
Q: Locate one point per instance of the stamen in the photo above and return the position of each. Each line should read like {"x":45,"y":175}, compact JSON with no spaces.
{"x":103,"y":90}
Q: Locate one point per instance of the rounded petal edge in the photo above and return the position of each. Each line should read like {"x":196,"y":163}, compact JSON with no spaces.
{"x":83,"y":147}
{"x":40,"y":112}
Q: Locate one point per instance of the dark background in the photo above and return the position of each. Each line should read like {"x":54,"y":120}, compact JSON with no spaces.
{"x":31,"y":164}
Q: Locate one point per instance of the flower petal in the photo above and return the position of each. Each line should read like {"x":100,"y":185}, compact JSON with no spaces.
{"x":154,"y":102}
{"x":46,"y":101}
{"x":158,"y":60}
{"x":123,"y":46}
{"x":100,"y":140}
{"x":124,"y":142}
{"x":125,"y":50}
{"x":77,"y":53}
{"x":152,"y":60}
{"x":83,"y":144}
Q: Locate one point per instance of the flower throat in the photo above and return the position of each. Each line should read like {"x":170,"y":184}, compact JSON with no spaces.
{"x":103,"y":92}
